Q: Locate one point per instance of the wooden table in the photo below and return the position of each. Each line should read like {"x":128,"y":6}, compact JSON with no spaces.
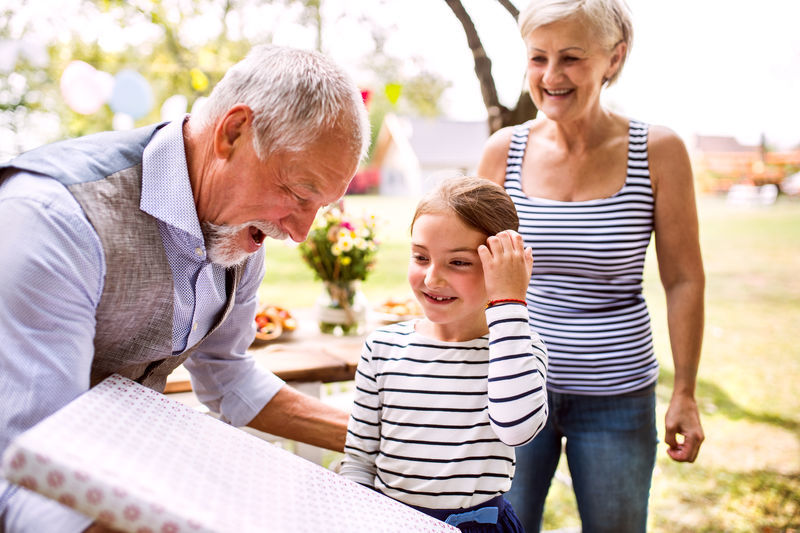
{"x":305,"y":355}
{"x":305,"y":359}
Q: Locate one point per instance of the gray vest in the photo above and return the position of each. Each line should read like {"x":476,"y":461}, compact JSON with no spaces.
{"x":133,"y":335}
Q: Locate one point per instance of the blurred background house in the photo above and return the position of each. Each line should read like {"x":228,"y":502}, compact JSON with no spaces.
{"x":412,"y":154}
{"x":721,"y":163}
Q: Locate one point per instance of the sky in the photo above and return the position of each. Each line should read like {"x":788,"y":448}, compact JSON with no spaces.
{"x":709,"y":67}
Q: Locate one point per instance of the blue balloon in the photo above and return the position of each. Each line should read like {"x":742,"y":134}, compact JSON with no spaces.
{"x":131,"y":94}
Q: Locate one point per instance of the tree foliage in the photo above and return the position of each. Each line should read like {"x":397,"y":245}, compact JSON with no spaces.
{"x":180,"y":47}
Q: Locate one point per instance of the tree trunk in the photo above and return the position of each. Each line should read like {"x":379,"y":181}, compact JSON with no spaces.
{"x":499,"y":115}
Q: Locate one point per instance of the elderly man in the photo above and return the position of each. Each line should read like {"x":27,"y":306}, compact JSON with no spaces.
{"x":133,"y":252}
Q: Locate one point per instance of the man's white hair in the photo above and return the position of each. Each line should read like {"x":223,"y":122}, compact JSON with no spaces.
{"x":296,"y":97}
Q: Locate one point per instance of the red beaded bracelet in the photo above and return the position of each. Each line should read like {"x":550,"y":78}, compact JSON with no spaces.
{"x":506,"y":301}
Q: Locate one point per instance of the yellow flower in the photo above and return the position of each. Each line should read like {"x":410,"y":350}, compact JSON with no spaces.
{"x":346,"y":260}
{"x":336,"y":249}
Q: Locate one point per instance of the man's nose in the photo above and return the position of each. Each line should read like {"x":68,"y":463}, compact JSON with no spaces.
{"x":299,"y":223}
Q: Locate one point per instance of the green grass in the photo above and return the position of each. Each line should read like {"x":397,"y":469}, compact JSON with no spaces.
{"x":747,"y":477}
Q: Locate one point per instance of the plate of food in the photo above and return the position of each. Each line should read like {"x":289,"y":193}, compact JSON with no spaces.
{"x":273,"y":322}
{"x":398,"y":309}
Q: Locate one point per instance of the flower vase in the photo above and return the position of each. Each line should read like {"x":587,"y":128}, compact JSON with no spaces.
{"x":342,"y":308}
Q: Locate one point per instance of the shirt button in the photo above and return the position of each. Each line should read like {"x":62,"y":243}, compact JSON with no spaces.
{"x":198,"y":252}
{"x":194,"y":326}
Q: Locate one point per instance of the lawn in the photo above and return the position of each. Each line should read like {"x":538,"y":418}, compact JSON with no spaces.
{"x":747,"y":477}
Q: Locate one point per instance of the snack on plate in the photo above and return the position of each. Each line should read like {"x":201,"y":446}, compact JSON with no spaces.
{"x":273,"y":321}
{"x":398,"y":309}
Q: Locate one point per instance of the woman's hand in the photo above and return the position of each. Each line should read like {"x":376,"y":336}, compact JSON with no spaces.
{"x":507,"y":265}
{"x":683,"y":419}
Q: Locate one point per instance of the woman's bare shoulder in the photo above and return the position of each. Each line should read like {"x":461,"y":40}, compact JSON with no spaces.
{"x":669,"y":160}
{"x":662,"y":140}
{"x":492,"y":164}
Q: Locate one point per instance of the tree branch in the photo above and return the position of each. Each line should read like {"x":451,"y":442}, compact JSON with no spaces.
{"x":511,"y":8}
{"x":483,"y":65}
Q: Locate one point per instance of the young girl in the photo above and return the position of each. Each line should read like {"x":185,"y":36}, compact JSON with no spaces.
{"x":441,"y":401}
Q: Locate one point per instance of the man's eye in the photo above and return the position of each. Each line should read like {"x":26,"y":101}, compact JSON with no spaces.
{"x":538,"y":59}
{"x":297,"y":197}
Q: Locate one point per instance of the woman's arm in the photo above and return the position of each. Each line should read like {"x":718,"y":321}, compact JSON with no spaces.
{"x":681,"y":269}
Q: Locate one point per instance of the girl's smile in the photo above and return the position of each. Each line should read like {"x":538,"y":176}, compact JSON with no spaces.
{"x":446,"y":276}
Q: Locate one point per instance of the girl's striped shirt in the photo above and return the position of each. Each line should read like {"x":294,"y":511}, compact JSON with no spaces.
{"x":434,"y":423}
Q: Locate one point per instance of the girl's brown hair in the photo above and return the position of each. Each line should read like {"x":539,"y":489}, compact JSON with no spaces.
{"x":479,"y":203}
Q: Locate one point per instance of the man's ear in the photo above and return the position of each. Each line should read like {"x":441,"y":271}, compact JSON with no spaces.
{"x":231,"y":128}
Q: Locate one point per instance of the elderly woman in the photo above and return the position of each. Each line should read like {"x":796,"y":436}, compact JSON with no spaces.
{"x":590,"y":187}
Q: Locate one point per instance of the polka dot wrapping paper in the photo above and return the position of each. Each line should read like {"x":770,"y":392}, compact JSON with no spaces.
{"x":135,"y":460}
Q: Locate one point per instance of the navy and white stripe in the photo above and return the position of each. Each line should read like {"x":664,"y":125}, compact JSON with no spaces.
{"x":585,"y":295}
{"x":434,"y":423}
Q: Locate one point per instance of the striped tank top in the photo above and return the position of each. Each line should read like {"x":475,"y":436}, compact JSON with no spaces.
{"x":585,"y":296}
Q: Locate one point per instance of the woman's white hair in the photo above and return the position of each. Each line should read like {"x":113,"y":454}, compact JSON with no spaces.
{"x":610,"y":20}
{"x":296,"y":97}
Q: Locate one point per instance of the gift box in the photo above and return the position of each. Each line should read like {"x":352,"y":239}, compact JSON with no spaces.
{"x":137,"y":461}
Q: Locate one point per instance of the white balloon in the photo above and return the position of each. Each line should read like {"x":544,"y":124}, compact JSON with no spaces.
{"x":174,"y":107}
{"x":199,"y":103}
{"x":83,"y":90}
{"x":122,"y":121}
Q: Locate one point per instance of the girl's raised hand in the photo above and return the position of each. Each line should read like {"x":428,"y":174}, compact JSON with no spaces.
{"x":507,"y":265}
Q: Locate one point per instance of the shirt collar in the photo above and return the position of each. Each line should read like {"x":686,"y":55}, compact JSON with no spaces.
{"x":166,"y":190}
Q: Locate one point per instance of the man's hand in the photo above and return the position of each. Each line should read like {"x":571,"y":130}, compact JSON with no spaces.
{"x":507,"y":265}
{"x":683,"y":419}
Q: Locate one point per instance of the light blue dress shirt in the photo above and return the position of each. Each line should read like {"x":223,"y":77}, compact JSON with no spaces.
{"x":52,"y":268}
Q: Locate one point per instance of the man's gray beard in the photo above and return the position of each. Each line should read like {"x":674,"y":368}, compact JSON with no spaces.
{"x":222,"y":243}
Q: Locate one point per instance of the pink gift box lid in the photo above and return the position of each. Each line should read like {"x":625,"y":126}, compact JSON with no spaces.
{"x":138,"y":461}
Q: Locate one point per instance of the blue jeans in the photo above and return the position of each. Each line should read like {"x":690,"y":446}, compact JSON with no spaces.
{"x":611,"y":452}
